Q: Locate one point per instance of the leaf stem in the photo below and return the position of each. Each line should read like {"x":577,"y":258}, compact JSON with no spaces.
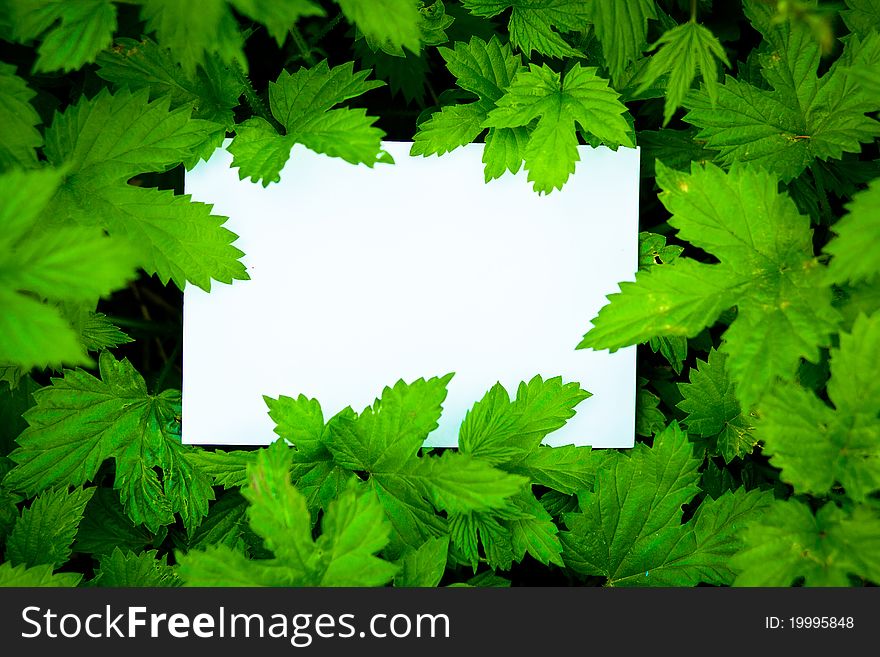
{"x":254,"y":102}
{"x":304,"y":50}
{"x":693,"y":11}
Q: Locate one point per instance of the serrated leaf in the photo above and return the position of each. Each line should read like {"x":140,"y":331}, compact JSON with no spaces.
{"x":458,"y":483}
{"x":192,"y":30}
{"x":279,"y":16}
{"x":713,"y":411}
{"x":621,"y":28}
{"x":303,"y":103}
{"x":682,"y":50}
{"x":816,"y":445}
{"x":534,"y":533}
{"x":62,"y":264}
{"x":538,"y":24}
{"x":225,"y":524}
{"x":855,"y":250}
{"x":567,"y":469}
{"x":393,"y":22}
{"x":790,"y":543}
{"x":861,"y":16}
{"x":125,"y":569}
{"x":20,"y":138}
{"x":630,"y":527}
{"x":766,"y":268}
{"x":801,"y":119}
{"x":104,"y":141}
{"x":226,"y":469}
{"x":45,"y":531}
{"x":353,"y":531}
{"x":98,"y":332}
{"x":425,"y":566}
{"x":42,"y":576}
{"x":485,"y":69}
{"x":71,"y":33}
{"x":212,"y":91}
{"x":79,"y":421}
{"x":581,"y":99}
{"x":106,"y":527}
{"x":499,"y":431}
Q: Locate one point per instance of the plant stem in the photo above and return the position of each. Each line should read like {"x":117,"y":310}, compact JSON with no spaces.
{"x":253,"y":100}
{"x":693,"y":11}
{"x":302,"y":46}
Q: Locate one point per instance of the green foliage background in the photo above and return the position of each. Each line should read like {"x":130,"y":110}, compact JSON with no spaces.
{"x":756,"y":301}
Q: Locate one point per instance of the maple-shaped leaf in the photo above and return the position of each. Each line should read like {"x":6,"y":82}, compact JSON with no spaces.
{"x":303,"y":103}
{"x":713,"y":411}
{"x":802,"y":118}
{"x":856,"y":248}
{"x":682,"y":50}
{"x":46,"y":530}
{"x":538,"y":24}
{"x":212,"y":91}
{"x":392,"y":22}
{"x":629,"y":528}
{"x":621,"y":28}
{"x":38,"y":576}
{"x":71,"y":34}
{"x":382,"y":444}
{"x":766,"y":269}
{"x":20,"y":138}
{"x":816,"y":445}
{"x":105,"y":141}
{"x":279,"y":16}
{"x":789,"y":545}
{"x":485,"y":69}
{"x":192,"y":30}
{"x":354,"y":529}
{"x":125,"y":569}
{"x":508,"y":434}
{"x":60,"y":264}
{"x":581,"y":98}
{"x":79,"y":421}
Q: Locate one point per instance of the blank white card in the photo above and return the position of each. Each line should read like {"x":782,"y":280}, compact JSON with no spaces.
{"x":361,"y":277}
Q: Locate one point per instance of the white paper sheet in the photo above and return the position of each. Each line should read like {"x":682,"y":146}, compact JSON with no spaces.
{"x":361,"y":277}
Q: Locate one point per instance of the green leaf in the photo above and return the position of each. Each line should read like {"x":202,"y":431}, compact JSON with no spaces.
{"x":98,"y":333}
{"x":621,"y":28}
{"x":684,"y":49}
{"x":226,"y":524}
{"x":538,"y":24}
{"x":71,"y":33}
{"x":279,"y":16}
{"x":766,"y":269}
{"x":789,"y":544}
{"x":856,"y":248}
{"x":498,"y":430}
{"x":534,"y":532}
{"x":581,"y":99}
{"x":459,"y":483}
{"x":862,"y":16}
{"x":629,"y":528}
{"x":567,"y":469}
{"x":20,"y":138}
{"x":817,"y":446}
{"x":485,"y":69}
{"x":194,"y":30}
{"x":79,"y":421}
{"x":354,"y":529}
{"x":124,"y":569}
{"x":212,"y":91}
{"x":425,"y":566}
{"x":105,"y":526}
{"x":303,"y":103}
{"x":392,"y":22}
{"x":45,"y":531}
{"x":226,"y":469}
{"x":22,"y":576}
{"x":103,"y":142}
{"x":713,"y":411}
{"x":803,"y":118}
{"x":61,"y":264}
